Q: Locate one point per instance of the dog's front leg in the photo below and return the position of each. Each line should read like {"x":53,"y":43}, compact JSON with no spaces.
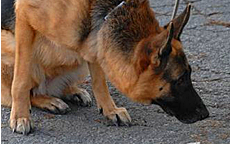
{"x":22,"y":82}
{"x":103,"y":98}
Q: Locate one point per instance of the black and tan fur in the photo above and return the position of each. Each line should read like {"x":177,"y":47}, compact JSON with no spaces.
{"x":56,"y":42}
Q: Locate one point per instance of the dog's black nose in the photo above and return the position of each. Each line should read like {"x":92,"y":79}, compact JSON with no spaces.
{"x":203,"y":112}
{"x":200,"y":113}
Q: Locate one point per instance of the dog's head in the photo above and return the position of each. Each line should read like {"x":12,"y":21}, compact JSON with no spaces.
{"x":165,"y":75}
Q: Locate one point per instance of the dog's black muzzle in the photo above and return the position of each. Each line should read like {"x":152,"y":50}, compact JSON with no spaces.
{"x":185,"y":104}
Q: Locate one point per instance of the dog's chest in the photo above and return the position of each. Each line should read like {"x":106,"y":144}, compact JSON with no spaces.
{"x":51,"y":55}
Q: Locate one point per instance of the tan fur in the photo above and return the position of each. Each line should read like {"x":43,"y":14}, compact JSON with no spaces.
{"x":7,"y":66}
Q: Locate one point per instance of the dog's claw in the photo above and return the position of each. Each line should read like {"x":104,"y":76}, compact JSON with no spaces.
{"x":100,"y":110}
{"x":56,"y":106}
{"x":118,"y":120}
{"x":21,"y":125}
{"x":119,"y":116}
{"x":81,"y":99}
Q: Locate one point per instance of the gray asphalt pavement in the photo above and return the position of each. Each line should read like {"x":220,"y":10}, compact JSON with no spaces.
{"x":207,"y":44}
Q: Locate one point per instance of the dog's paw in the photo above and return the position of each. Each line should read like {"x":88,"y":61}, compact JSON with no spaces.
{"x":83,"y":98}
{"x":55,"y":106}
{"x":118,"y":116}
{"x":22,"y":125}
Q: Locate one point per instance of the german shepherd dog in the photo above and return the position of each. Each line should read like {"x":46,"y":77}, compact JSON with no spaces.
{"x":48,"y":46}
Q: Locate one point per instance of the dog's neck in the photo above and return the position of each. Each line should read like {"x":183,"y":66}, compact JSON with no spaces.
{"x":117,"y":58}
{"x":120,"y":71}
{"x":120,"y":5}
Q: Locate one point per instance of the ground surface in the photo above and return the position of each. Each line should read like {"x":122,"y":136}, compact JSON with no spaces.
{"x":207,"y":45}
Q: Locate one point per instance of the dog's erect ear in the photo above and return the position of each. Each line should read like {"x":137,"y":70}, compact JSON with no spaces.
{"x":180,"y":21}
{"x":160,"y":59}
{"x":155,"y":50}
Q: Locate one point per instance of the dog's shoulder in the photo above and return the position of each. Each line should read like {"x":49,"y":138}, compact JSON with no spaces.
{"x":128,"y":23}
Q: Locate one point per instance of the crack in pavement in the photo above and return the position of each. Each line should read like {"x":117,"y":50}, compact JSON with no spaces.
{"x":211,"y":80}
{"x":206,"y":16}
{"x":216,"y":22}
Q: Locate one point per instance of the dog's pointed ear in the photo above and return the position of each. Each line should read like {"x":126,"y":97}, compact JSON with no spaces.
{"x":180,"y":22}
{"x":160,"y":60}
{"x":154,"y":51}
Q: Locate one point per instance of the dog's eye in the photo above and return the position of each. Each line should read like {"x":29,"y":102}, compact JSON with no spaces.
{"x":161,"y":88}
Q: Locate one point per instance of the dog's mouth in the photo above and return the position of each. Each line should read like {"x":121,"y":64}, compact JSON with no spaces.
{"x":166,"y":109}
{"x":187,"y":117}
